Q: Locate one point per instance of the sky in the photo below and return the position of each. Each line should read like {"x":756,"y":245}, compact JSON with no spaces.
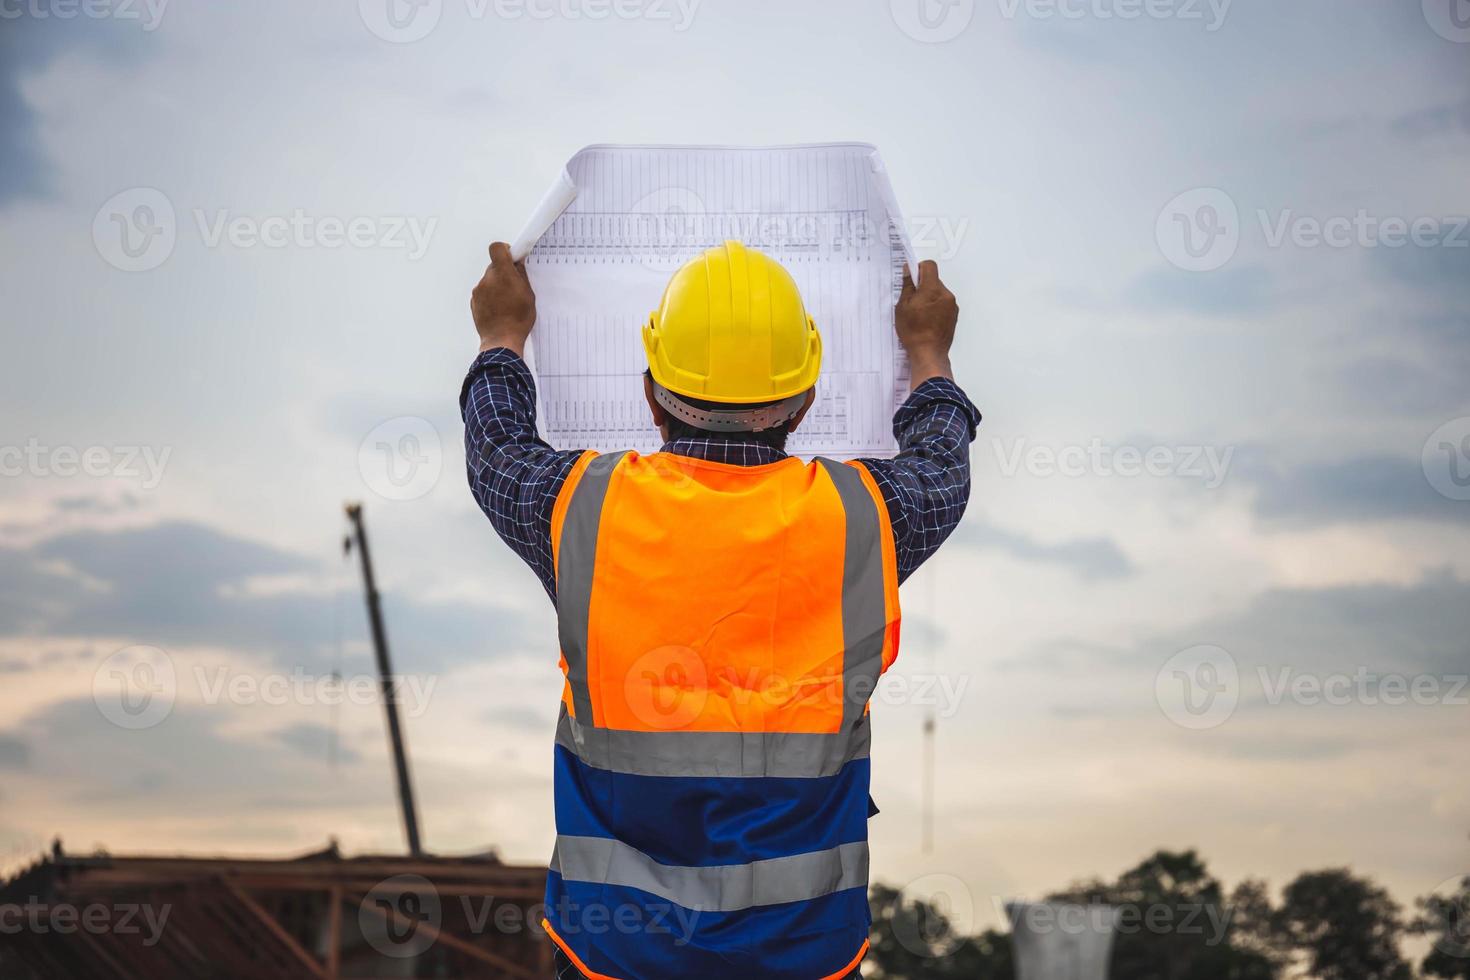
{"x":1213,"y":586}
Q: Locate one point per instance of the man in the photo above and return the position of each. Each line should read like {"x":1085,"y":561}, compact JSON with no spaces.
{"x":724,"y":612}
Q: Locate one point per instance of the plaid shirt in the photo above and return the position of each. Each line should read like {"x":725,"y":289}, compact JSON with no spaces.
{"x":515,"y":476}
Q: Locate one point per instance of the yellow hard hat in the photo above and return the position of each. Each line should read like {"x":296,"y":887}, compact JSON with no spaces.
{"x":732,"y":329}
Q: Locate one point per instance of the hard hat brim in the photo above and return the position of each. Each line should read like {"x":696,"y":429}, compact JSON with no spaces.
{"x":756,"y":419}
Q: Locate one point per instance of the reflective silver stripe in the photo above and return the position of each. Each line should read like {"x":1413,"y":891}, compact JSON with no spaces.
{"x":864,"y":613}
{"x":724,"y":888}
{"x":575,"y":563}
{"x":783,"y":754}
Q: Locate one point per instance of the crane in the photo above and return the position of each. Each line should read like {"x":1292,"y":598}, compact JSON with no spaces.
{"x":358,"y":537}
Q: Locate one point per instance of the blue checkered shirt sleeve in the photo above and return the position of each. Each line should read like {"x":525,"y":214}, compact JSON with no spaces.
{"x":927,"y":485}
{"x":515,"y":476}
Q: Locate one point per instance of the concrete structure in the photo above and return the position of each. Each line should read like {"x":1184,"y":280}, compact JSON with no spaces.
{"x":1055,"y":941}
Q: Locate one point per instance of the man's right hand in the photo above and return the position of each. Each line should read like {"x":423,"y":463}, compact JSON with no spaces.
{"x":503,"y":304}
{"x":925,"y":319}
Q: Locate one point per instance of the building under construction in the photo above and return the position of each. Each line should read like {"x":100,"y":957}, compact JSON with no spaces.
{"x":316,"y":916}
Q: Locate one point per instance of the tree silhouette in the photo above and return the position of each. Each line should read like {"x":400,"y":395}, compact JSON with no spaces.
{"x":1346,"y":927}
{"x":1174,"y":922}
{"x":914,"y":940}
{"x":1446,"y":921}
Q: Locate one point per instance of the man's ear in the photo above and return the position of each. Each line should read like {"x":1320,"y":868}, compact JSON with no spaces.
{"x":660,"y":415}
{"x":811,"y":397}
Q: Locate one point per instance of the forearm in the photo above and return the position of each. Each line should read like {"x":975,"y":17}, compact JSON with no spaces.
{"x":512,"y":341}
{"x":927,"y":365}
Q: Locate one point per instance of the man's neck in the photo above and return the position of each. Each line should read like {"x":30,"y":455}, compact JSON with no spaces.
{"x":741,"y":449}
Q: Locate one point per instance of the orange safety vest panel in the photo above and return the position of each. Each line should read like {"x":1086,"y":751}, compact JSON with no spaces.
{"x":722,"y":629}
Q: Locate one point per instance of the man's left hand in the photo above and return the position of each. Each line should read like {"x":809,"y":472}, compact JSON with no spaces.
{"x":503,"y":303}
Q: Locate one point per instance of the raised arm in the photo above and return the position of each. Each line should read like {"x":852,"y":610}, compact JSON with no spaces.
{"x":927,"y":485}
{"x":514,"y":475}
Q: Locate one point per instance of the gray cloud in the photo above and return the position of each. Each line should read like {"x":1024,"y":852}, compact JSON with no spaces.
{"x":28,"y":44}
{"x":1423,"y":627}
{"x":22,"y":169}
{"x":1442,"y":272}
{"x":1278,"y":746}
{"x":36,"y":660}
{"x":1420,"y":630}
{"x":1436,"y":120}
{"x":314,"y":742}
{"x":1365,"y":488}
{"x":1405,"y":384}
{"x":1089,"y":558}
{"x":183,"y":583}
{"x":30,"y":593}
{"x":97,"y":504}
{"x":185,"y":758}
{"x":1231,"y":291}
{"x":14,"y":753}
{"x":1419,"y":627}
{"x":523,"y":718}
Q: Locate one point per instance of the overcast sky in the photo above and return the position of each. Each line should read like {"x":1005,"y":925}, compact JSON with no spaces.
{"x":1218,"y":238}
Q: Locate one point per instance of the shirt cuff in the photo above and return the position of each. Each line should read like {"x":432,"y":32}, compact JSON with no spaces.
{"x":496,"y":357}
{"x":932,"y":392}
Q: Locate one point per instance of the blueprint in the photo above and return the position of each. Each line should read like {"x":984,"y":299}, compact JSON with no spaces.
{"x":618,"y":221}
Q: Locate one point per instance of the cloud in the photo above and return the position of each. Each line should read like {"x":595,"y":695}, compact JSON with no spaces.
{"x":96,"y":504}
{"x":1232,"y":291}
{"x":1343,"y":638}
{"x":184,"y":759}
{"x":1089,"y":558}
{"x":1363,"y":488}
{"x":14,"y":753}
{"x":1423,"y":627}
{"x":1278,"y":746}
{"x":29,"y":591}
{"x":1439,"y":272}
{"x":522,"y":718}
{"x":28,"y":44}
{"x":22,"y":168}
{"x":183,"y":583}
{"x":1405,"y":384}
{"x":1435,"y":120}
{"x":315,"y":741}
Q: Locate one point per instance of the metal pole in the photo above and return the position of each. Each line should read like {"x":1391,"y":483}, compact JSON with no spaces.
{"x":385,"y":678}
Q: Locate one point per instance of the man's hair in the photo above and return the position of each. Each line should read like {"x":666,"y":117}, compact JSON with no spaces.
{"x":774,"y":437}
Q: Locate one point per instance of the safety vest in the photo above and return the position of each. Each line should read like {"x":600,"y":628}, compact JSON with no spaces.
{"x":722,"y":628}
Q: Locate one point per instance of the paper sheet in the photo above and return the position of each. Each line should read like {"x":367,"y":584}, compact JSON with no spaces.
{"x":603,"y":242}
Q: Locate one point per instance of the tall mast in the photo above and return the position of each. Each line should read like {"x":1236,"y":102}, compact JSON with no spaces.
{"x":385,"y":679}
